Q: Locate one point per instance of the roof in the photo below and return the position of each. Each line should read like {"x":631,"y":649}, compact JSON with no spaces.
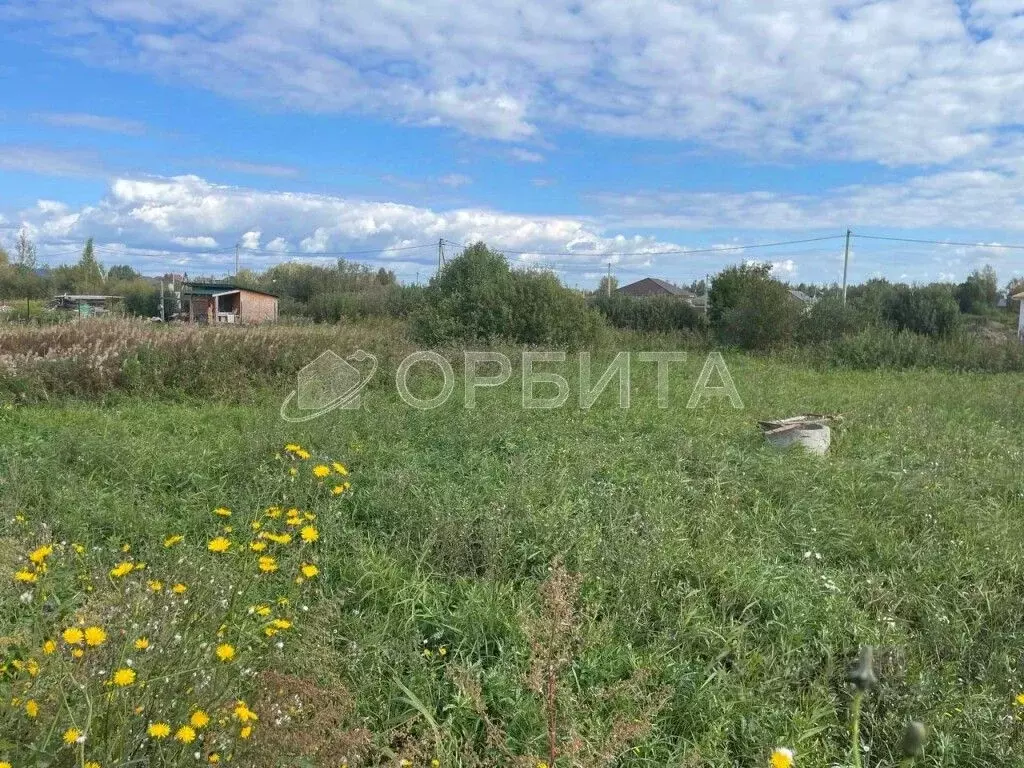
{"x":216,"y":289}
{"x":800,"y":296}
{"x":665,"y":286}
{"x":85,"y":297}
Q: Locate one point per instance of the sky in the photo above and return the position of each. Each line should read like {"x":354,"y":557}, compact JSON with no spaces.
{"x":654,"y":136}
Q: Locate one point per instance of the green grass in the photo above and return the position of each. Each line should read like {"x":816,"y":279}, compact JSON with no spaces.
{"x":699,"y":607}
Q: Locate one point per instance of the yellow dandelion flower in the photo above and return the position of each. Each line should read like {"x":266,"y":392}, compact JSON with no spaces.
{"x":293,"y":447}
{"x":442,"y":651}
{"x":38,"y":556}
{"x":262,"y":610}
{"x":158,"y":730}
{"x":79,"y":549}
{"x":405,"y":762}
{"x":4,"y":764}
{"x":222,"y":512}
{"x":32,"y":708}
{"x":281,"y":623}
{"x":273,"y":512}
{"x":199,"y":719}
{"x":255,"y":525}
{"x":219,"y":544}
{"x":95,"y":636}
{"x":340,"y":468}
{"x":170,"y":541}
{"x":123,"y":677}
{"x":268,"y":564}
{"x":92,"y":764}
{"x":32,"y":667}
{"x":141,"y":643}
{"x":26,"y":577}
{"x":435,"y":763}
{"x":156,"y":585}
{"x":73,"y":636}
{"x":246,"y":732}
{"x":49,"y":647}
{"x":304,"y":455}
{"x":78,"y":653}
{"x":72,"y":735}
{"x":242,"y":712}
{"x":309,"y":570}
{"x":179,"y":589}
{"x":122,"y":569}
{"x":782,"y":757}
{"x":321,"y":470}
{"x":186,"y":734}
{"x":338,"y":490}
{"x":214,"y":758}
{"x":1020,"y":699}
{"x":258,"y":546}
{"x":225,"y":652}
{"x":310,"y":534}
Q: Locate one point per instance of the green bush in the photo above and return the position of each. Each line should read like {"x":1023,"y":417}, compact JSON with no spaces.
{"x":930,"y":310}
{"x":653,"y":313}
{"x":379,"y":301}
{"x":750,"y":309}
{"x":826,"y":320}
{"x":477,"y":298}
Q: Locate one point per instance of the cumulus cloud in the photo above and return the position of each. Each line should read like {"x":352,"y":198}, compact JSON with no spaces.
{"x":895,"y":81}
{"x":202,"y":241}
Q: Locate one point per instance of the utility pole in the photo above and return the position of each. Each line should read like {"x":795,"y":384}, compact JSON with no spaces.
{"x":163,"y":312}
{"x":609,"y":286}
{"x":440,"y":254}
{"x":846,"y":265}
{"x":707,"y":293}
{"x":236,"y":260}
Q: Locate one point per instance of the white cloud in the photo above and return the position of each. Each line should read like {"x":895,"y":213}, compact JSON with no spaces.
{"x":257,"y":169}
{"x":202,"y":241}
{"x":455,"y":180}
{"x":895,"y":81}
{"x":525,"y":155}
{"x":93,"y":122}
{"x":251,"y":240}
{"x":48,"y":162}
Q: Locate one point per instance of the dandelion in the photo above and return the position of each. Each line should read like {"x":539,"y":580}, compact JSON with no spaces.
{"x":340,"y":468}
{"x":435,"y":763}
{"x":405,"y":762}
{"x":293,"y":448}
{"x":92,"y":764}
{"x":78,"y":653}
{"x":268,"y":564}
{"x":442,"y":651}
{"x":121,"y":569}
{"x":219,"y":544}
{"x":262,"y":610}
{"x":309,"y":570}
{"x":1020,"y":700}
{"x":170,"y":541}
{"x":321,"y":471}
{"x":39,"y":555}
{"x":225,"y":652}
{"x":214,"y":758}
{"x":26,"y":577}
{"x":32,"y":708}
{"x":281,"y":624}
{"x":95,"y":636}
{"x":155,"y":585}
{"x":258,"y":546}
{"x":4,"y":764}
{"x":222,"y":512}
{"x":339,"y":489}
{"x":309,"y":534}
{"x":304,"y":455}
{"x":242,"y":712}
{"x":246,"y":732}
{"x":72,"y":736}
{"x":79,"y":549}
{"x":123,"y":677}
{"x":186,"y":734}
{"x":158,"y":730}
{"x":179,"y":589}
{"x":73,"y":636}
{"x":141,"y":643}
{"x":782,"y":757}
{"x":273,"y":512}
{"x":199,"y":719}
{"x":49,"y":647}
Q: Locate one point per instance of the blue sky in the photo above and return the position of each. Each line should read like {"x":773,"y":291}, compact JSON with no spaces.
{"x":565,"y":134}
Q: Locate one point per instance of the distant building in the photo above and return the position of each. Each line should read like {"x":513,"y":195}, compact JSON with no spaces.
{"x":226,"y":303}
{"x":84,"y":304}
{"x":652,"y":286}
{"x":800,"y":296}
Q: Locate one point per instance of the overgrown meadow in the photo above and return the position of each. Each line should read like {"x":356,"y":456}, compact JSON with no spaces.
{"x":505,"y":587}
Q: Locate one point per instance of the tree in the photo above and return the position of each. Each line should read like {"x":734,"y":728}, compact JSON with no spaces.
{"x":608,"y":285}
{"x":5,"y":259}
{"x":930,"y":310}
{"x":385,"y":277}
{"x":730,"y":285}
{"x":121,"y":272}
{"x":979,"y":292}
{"x":88,"y":273}
{"x":24,"y":252}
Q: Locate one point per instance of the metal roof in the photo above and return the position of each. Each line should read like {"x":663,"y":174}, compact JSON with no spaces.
{"x":217,"y":289}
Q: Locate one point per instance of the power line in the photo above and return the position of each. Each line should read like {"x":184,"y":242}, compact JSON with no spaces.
{"x":719,"y":249}
{"x":937,"y":242}
{"x":341,"y":253}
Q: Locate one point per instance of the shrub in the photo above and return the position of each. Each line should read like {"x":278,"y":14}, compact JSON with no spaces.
{"x":930,"y":310}
{"x":476,"y":297}
{"x":654,"y":313}
{"x":827,"y":320}
{"x":752,"y":310}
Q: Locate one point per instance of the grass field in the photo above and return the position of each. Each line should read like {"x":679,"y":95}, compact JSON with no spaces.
{"x":723,"y":589}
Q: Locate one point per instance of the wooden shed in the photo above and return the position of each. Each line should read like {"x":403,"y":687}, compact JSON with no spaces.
{"x":226,"y":303}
